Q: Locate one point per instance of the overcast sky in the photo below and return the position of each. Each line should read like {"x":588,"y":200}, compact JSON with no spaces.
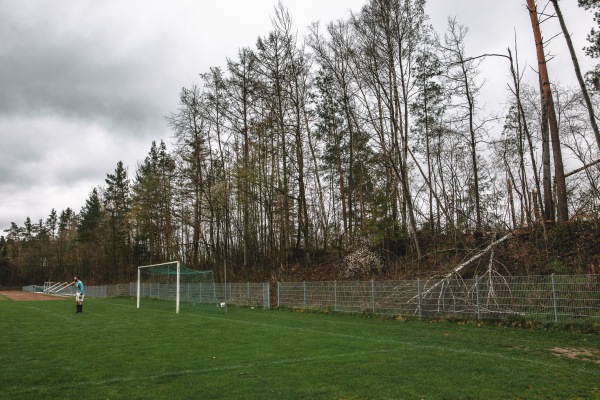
{"x":87,"y":83}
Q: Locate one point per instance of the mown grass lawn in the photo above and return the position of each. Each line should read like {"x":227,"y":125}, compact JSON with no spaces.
{"x":116,"y":351}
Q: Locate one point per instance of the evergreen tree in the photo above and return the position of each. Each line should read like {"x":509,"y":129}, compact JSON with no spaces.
{"x":593,"y":50}
{"x":90,"y":236}
{"x":4,"y":265}
{"x":152,"y":206}
{"x":117,"y":202}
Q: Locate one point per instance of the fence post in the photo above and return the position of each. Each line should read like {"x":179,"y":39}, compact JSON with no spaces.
{"x":334,"y":295}
{"x":373,"y":296}
{"x":477,"y":293}
{"x":419,"y":296}
{"x":304,"y":294}
{"x":266,"y":297}
{"x":554,"y":298}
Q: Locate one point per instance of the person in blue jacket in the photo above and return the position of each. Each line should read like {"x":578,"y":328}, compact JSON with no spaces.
{"x":80,"y":292}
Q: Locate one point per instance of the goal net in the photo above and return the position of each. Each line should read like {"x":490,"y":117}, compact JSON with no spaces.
{"x":172,"y":281}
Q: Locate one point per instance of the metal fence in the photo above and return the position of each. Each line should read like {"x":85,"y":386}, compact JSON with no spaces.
{"x":98,"y":291}
{"x":241,"y":294}
{"x":557,"y":298}
{"x":247,"y":294}
{"x":542,"y":298}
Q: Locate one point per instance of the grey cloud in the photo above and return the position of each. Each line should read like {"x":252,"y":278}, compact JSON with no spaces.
{"x":75,"y":73}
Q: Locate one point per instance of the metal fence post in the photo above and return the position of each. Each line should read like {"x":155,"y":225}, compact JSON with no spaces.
{"x":477,"y":293}
{"x":419,"y":295}
{"x":334,"y":295}
{"x":304,"y":293}
{"x":554,"y":298}
{"x":278,"y":295}
{"x":373,"y":296}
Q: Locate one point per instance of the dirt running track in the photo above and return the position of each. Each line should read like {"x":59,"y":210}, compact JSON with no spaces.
{"x":28,"y":296}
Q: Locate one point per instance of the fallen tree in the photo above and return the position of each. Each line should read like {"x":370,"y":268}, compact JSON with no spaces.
{"x":461,"y":266}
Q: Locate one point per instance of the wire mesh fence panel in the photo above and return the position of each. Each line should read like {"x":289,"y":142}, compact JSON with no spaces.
{"x":447,"y":297}
{"x":246,"y":294}
{"x":577,"y":297}
{"x":291,"y":294}
{"x":353,"y":296}
{"x":160,"y":291}
{"x":118,"y":290}
{"x":399,"y":298}
{"x":198,"y":293}
{"x":530,"y":297}
{"x":319,"y":295}
{"x":93,"y":291}
{"x":496,"y":297}
{"x":543,"y":298}
{"x":311,"y":295}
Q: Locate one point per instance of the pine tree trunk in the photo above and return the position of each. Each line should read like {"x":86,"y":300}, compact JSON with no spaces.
{"x":559,"y":173}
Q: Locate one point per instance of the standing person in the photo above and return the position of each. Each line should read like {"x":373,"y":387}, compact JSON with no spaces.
{"x":80,"y":293}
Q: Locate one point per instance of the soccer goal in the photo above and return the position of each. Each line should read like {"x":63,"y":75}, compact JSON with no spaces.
{"x":172,"y":281}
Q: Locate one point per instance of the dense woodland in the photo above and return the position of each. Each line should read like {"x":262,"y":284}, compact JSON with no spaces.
{"x":358,"y":150}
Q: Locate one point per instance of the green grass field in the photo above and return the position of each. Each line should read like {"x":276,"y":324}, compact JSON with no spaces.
{"x":115,"y":351}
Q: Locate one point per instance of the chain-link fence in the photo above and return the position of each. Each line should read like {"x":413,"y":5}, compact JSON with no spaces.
{"x":543,"y":298}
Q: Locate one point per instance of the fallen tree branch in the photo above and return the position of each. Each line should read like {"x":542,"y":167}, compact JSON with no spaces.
{"x":582,"y":168}
{"x":463,"y":265}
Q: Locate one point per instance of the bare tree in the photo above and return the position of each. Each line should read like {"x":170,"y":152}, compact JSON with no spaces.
{"x":389,"y":33}
{"x":460,"y":75}
{"x":189,"y":130}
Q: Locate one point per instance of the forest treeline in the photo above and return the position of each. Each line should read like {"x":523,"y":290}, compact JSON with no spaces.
{"x":366,"y":136}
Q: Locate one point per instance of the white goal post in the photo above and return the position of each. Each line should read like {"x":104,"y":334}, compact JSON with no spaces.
{"x":178,"y":281}
{"x":173,"y":281}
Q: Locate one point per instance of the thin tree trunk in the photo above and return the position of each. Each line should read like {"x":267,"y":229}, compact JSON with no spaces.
{"x":473,"y":150}
{"x":549,"y":209}
{"x":522,"y":118}
{"x":559,"y":173}
{"x":511,"y":204}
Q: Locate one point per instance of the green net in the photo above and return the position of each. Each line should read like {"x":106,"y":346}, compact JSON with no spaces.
{"x":160,"y":282}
